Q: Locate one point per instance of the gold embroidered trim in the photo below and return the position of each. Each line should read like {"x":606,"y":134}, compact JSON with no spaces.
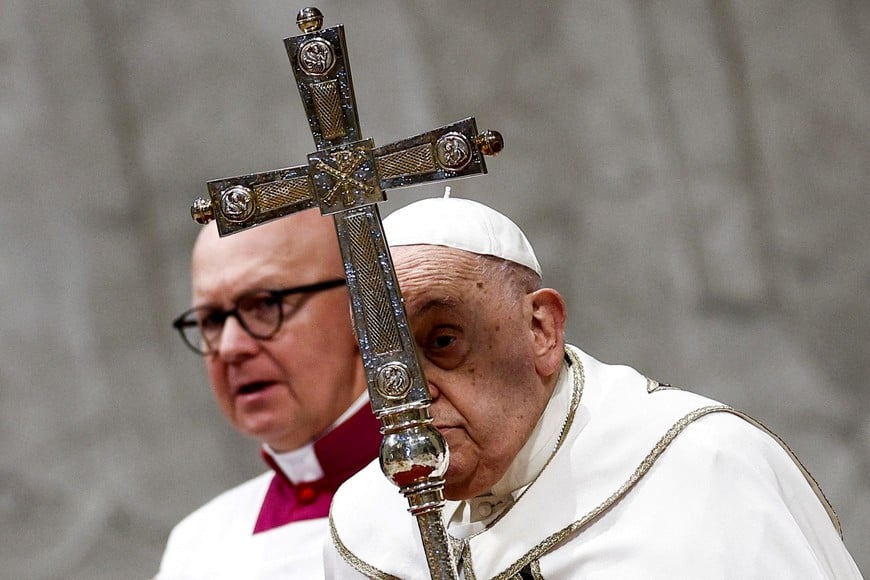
{"x":534,"y":569}
{"x":349,"y":557}
{"x":552,"y":541}
{"x":464,"y":562}
{"x":462,"y":554}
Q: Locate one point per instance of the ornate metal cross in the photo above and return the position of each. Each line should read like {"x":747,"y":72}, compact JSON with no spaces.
{"x":346,"y":177}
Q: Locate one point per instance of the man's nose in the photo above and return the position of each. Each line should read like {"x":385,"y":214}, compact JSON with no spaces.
{"x":434,"y":393}
{"x":235,"y":343}
{"x":428,"y":372}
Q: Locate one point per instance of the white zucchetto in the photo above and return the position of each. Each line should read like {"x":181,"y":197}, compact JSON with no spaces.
{"x":462,"y":224}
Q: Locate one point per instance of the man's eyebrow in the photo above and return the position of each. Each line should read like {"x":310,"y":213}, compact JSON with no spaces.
{"x":436,"y":303}
{"x":212,"y":305}
{"x":205,"y":305}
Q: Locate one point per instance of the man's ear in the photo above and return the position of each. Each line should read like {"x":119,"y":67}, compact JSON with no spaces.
{"x":548,"y":316}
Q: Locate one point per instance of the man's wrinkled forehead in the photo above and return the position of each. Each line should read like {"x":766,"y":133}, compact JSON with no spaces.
{"x":460,"y":224}
{"x":438,"y":275}
{"x":434,"y":264}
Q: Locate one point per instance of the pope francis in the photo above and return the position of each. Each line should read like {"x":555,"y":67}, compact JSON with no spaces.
{"x":562,"y":466}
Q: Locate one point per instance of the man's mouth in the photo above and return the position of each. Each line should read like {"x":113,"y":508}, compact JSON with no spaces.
{"x":254,"y":387}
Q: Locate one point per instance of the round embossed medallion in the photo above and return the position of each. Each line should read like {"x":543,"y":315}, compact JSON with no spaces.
{"x":316,"y":57}
{"x":393,"y":381}
{"x":452,"y":151}
{"x":237,"y":203}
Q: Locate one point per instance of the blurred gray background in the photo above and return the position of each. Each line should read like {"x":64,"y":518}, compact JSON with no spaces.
{"x":694,"y":176}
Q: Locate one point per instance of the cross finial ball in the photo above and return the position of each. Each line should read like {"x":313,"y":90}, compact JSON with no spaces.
{"x":489,"y":142}
{"x":309,"y":19}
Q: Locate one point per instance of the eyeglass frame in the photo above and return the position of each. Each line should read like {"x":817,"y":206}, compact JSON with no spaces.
{"x":181,"y":322}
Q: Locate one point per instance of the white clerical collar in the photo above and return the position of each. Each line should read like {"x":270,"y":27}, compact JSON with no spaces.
{"x":301,"y":464}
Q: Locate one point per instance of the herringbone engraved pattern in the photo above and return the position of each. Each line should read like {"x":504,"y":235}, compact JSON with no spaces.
{"x":327,"y":103}
{"x":278,"y":194}
{"x":412,"y":161}
{"x":381,"y":329}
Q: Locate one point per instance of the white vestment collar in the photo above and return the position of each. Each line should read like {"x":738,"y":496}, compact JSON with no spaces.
{"x":301,"y":465}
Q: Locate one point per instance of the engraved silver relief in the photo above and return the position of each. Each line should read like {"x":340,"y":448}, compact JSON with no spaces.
{"x":452,"y":151}
{"x":316,"y":57}
{"x":393,"y":380}
{"x":237,"y":203}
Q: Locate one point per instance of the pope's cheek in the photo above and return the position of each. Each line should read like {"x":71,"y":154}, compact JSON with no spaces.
{"x":457,"y":443}
{"x":454,"y":439}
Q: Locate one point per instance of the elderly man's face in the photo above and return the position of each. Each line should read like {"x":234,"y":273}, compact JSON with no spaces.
{"x":287,"y":390}
{"x":479,"y":346}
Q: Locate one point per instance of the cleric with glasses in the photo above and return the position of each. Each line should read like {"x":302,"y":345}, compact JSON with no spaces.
{"x":271,"y":315}
{"x":260,"y":313}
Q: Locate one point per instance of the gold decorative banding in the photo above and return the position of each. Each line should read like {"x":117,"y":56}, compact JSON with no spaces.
{"x":278,"y":194}
{"x":413,"y":161}
{"x":327,"y":105}
{"x":380,"y":324}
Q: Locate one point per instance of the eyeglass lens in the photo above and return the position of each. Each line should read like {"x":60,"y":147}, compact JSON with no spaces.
{"x":260,"y":314}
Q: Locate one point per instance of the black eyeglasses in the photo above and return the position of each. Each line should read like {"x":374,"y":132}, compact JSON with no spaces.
{"x":260,"y":313}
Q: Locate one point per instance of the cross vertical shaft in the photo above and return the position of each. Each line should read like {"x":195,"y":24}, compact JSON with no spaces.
{"x":346,"y":178}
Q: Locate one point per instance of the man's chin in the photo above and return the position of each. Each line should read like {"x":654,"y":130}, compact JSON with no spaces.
{"x":264,"y":427}
{"x":457,"y":487}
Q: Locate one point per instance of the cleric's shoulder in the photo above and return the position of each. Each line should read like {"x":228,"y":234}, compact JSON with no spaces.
{"x":243,"y":500}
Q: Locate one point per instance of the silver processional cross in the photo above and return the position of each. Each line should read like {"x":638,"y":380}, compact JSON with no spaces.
{"x":346,"y":178}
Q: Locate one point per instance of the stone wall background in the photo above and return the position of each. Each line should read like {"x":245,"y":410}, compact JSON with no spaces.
{"x":694,"y":176}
